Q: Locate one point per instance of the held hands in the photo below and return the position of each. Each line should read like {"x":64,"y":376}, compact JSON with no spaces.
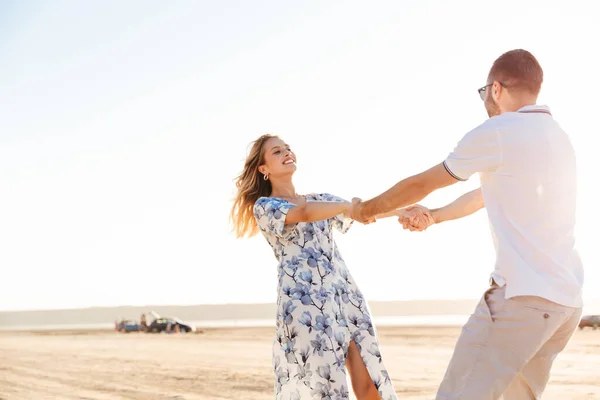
{"x":354,"y":212}
{"x":415,"y":218}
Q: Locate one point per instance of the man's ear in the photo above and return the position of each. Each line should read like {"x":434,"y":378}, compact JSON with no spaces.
{"x":497,"y":89}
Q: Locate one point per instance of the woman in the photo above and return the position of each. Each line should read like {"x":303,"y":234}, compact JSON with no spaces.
{"x":323,"y":322}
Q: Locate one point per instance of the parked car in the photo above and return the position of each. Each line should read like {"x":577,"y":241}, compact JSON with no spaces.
{"x":169,"y":324}
{"x":592,"y":321}
{"x":127,"y":325}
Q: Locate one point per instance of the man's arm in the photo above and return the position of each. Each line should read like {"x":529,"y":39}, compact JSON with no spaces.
{"x":406,"y":192}
{"x":394,"y":213}
{"x":478,"y":151}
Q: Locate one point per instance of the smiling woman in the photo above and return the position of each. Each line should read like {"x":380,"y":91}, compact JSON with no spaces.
{"x":323,"y":323}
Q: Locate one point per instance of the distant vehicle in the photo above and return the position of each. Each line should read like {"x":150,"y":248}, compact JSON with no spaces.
{"x":127,"y":325}
{"x":170,"y":325}
{"x":592,"y":321}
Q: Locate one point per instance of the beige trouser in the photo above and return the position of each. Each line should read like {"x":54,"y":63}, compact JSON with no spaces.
{"x":507,"y":347}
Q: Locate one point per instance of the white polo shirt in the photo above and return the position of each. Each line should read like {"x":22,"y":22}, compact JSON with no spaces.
{"x":527,"y":168}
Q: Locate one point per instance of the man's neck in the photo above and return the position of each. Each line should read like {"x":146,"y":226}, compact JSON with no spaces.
{"x":520,"y":103}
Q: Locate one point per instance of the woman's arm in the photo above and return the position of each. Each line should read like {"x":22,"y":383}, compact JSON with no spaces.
{"x":419,"y":218}
{"x":465,"y":205}
{"x":316,"y":211}
{"x":321,"y":210}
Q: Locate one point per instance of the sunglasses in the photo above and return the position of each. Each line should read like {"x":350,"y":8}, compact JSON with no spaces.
{"x":483,"y":89}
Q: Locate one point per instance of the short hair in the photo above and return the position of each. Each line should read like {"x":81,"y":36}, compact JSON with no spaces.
{"x":518,"y":69}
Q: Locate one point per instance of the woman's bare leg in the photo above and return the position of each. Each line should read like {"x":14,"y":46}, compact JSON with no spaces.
{"x":362,"y":384}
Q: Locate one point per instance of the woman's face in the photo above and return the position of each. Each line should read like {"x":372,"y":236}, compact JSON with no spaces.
{"x":279,"y":159}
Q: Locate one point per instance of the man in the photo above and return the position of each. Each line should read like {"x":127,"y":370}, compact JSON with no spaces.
{"x":526,"y":165}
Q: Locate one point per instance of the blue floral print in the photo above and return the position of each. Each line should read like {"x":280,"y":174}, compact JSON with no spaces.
{"x":320,"y":308}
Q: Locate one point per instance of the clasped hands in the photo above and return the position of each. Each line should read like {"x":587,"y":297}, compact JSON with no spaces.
{"x":415,"y":218}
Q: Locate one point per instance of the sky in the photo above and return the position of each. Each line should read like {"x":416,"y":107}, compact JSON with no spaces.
{"x":124,"y":124}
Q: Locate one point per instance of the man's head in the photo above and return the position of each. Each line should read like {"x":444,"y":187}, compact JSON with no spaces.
{"x":514,"y":81}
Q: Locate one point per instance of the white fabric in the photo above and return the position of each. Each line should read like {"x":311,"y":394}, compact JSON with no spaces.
{"x":527,"y":168}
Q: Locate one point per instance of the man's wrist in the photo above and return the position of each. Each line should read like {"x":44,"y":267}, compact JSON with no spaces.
{"x":369,"y":209}
{"x":360,"y":211}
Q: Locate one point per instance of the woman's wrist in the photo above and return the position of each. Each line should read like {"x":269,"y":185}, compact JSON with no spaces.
{"x":347,"y":211}
{"x":435,"y":216}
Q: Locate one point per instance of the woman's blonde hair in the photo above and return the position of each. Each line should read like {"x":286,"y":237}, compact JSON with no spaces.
{"x":251,"y":185}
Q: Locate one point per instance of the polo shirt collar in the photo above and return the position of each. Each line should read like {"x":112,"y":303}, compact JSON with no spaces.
{"x":535,"y":107}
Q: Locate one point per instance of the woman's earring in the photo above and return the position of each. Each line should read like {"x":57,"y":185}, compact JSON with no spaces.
{"x":266,"y":177}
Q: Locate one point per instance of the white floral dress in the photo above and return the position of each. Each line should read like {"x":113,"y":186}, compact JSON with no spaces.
{"x":319,"y":308}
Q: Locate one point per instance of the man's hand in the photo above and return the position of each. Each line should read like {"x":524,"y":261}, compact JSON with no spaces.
{"x":416,"y":218}
{"x":355,"y":212}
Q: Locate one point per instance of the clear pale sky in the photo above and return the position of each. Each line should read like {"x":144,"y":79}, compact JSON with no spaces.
{"x":123,"y":125}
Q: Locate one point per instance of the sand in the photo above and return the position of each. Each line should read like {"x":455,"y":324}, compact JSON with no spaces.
{"x":233,"y":364}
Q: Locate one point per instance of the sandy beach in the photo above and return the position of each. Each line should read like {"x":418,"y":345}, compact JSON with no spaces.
{"x":233,"y":364}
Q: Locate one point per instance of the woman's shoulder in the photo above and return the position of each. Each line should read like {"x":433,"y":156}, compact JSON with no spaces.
{"x":261,"y":201}
{"x":315,"y":196}
{"x":268,"y":201}
{"x":325,"y":196}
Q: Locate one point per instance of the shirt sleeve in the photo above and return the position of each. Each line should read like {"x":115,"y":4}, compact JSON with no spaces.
{"x":339,"y":222}
{"x":478,"y":151}
{"x":270,"y":214}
